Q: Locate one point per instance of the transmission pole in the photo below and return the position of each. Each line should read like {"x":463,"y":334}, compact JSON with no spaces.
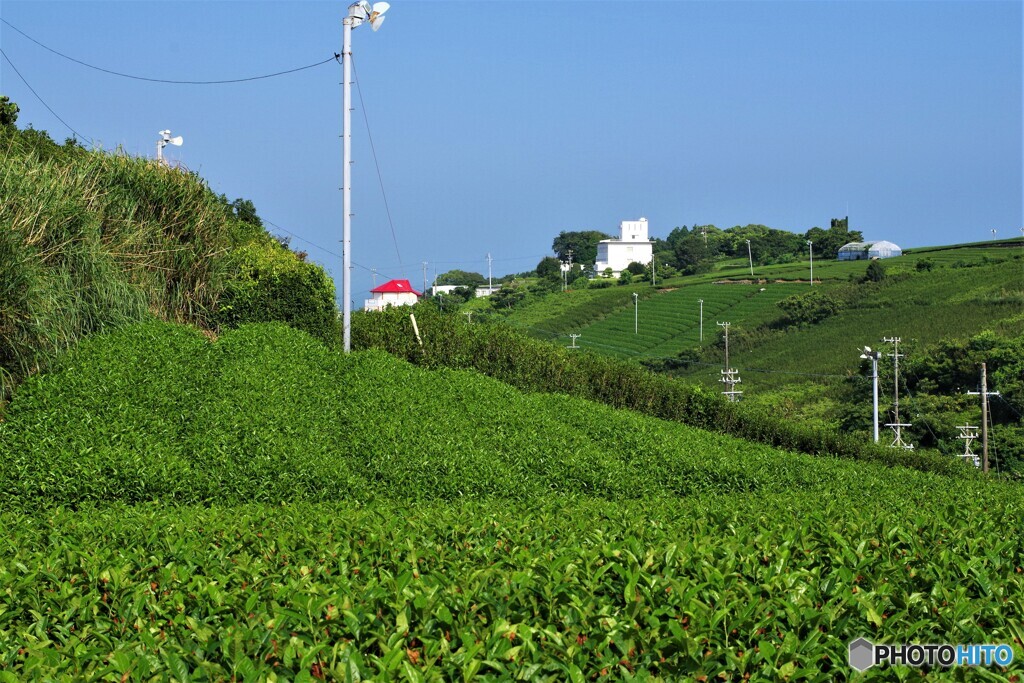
{"x":896,"y":425}
{"x":574,"y":338}
{"x":985,"y":393}
{"x":729,"y":375}
{"x":424,"y":277}
{"x":490,"y":286}
{"x":373,"y":272}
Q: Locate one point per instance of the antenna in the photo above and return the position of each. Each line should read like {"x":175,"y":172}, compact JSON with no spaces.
{"x":574,"y":338}
{"x":357,"y":13}
{"x":896,"y":425}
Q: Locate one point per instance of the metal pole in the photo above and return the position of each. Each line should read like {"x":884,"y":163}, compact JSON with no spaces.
{"x":701,"y":302}
{"x":490,"y":286}
{"x":160,"y":151}
{"x":874,"y":378}
{"x":346,"y":187}
{"x":810,"y":250}
{"x":751,"y":257}
{"x":636,"y":314}
{"x":984,"y":418}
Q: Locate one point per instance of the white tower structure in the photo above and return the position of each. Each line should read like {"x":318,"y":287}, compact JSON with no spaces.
{"x":632,"y":245}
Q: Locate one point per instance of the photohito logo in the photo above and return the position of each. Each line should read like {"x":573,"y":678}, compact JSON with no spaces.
{"x":864,"y":654}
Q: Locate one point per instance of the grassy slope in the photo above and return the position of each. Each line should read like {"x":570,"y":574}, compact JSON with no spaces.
{"x":156,"y":412}
{"x":443,"y":525}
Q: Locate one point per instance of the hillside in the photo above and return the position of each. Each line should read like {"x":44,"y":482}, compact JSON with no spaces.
{"x":797,"y":346}
{"x":262,"y":505}
{"x":90,"y":241}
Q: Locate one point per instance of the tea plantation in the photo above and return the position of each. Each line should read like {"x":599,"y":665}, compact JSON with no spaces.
{"x":263,"y":508}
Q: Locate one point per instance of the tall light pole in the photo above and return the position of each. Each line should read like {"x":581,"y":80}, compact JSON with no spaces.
{"x":873,"y":355}
{"x":701,"y":302}
{"x":751,"y":257}
{"x":357,"y":13}
{"x":810,"y":250}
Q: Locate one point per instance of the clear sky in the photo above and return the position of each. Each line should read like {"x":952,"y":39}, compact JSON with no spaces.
{"x":499,"y":124}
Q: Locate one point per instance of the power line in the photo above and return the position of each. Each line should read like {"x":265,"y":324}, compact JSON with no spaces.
{"x":373,"y":150}
{"x":164,"y":80}
{"x":73,"y":131}
{"x":314,"y":244}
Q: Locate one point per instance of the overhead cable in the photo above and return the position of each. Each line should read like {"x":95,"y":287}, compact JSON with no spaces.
{"x":164,"y":80}
{"x":68,"y":125}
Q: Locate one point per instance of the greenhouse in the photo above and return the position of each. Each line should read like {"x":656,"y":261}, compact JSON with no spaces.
{"x":855,"y":251}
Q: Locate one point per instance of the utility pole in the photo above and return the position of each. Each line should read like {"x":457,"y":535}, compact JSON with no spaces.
{"x":993,"y":233}
{"x":729,"y":375}
{"x":424,"y":277}
{"x":469,"y":317}
{"x":373,"y":273}
{"x":873,"y":355}
{"x":896,"y":425}
{"x":969,"y":433}
{"x":701,"y":302}
{"x":750,"y":256}
{"x":654,"y":271}
{"x":357,"y":14}
{"x":985,"y":393}
{"x":490,"y":286}
{"x":810,"y":250}
{"x":636,"y":313}
{"x":704,"y":231}
{"x":574,"y":338}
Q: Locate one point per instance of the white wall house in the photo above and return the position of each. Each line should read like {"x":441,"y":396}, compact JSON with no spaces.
{"x":632,"y":245}
{"x":855,"y":251}
{"x":391,"y":293}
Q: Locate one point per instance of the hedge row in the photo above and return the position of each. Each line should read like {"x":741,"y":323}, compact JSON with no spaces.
{"x":534,"y":365}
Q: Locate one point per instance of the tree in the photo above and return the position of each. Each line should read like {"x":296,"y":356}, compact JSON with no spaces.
{"x":875,"y":273}
{"x":245,"y":210}
{"x":827,"y":242}
{"x":583,"y":245}
{"x":636,"y":268}
{"x":549,"y":267}
{"x":8,"y":111}
{"x":461,"y":277}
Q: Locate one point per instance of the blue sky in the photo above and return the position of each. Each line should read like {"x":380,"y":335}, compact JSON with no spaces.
{"x":498,"y":124}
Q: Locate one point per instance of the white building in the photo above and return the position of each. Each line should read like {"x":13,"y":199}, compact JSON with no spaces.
{"x":632,"y":245}
{"x":855,"y":251}
{"x":484,"y":290}
{"x":391,"y":293}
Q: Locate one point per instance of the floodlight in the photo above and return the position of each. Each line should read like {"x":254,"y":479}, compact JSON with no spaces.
{"x":176,"y":141}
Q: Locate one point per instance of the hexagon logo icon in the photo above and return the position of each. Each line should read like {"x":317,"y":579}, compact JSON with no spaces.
{"x":862,"y":654}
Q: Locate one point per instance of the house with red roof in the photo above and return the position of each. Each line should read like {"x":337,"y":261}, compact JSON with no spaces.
{"x":392,"y":293}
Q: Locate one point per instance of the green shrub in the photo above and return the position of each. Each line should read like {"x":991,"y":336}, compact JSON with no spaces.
{"x":266,"y":283}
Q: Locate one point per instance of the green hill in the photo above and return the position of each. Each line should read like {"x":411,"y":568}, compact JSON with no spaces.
{"x":90,"y":241}
{"x":264,"y":506}
{"x":797,"y":346}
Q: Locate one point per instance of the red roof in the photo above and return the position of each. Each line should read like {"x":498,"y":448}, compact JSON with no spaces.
{"x":395,"y":287}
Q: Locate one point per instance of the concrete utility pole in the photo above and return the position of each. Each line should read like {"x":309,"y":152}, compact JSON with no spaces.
{"x":896,"y":425}
{"x":701,"y":302}
{"x":574,"y":338}
{"x":654,"y":271}
{"x":985,"y":393}
{"x":373,"y":274}
{"x":750,"y":256}
{"x":490,"y":286}
{"x":810,"y":250}
{"x":469,"y":317}
{"x":424,"y":277}
{"x":729,"y":376}
{"x":636,"y":313}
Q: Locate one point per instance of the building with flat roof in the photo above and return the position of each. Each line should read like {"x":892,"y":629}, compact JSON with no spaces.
{"x":632,"y":246}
